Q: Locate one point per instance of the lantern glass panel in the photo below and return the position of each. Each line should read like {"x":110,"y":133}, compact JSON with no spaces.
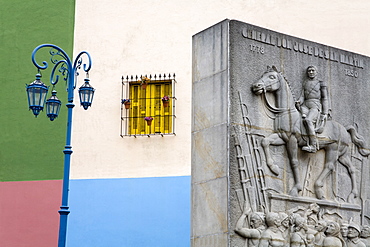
{"x":86,"y":93}
{"x":53,"y":106}
{"x":36,"y":93}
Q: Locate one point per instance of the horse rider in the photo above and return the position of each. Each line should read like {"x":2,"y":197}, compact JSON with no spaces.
{"x":314,"y":100}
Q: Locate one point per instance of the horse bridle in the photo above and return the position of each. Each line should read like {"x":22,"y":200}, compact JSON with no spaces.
{"x":271,"y":108}
{"x":269,"y":86}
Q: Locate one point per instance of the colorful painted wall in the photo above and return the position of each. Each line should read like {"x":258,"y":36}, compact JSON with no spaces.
{"x":117,"y":211}
{"x":124,"y":191}
{"x":31,"y":155}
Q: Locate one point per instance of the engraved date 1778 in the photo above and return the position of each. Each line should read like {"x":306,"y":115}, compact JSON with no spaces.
{"x":257,"y":48}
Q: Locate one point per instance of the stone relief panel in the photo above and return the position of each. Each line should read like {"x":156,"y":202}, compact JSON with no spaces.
{"x":299,"y":170}
{"x":306,"y":125}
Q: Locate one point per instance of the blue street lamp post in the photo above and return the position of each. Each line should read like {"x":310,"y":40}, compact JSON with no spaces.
{"x":37,"y":92}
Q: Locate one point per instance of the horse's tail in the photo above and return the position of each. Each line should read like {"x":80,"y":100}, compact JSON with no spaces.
{"x":358,"y":140}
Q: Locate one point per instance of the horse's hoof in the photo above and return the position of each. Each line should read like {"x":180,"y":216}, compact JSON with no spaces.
{"x":274,"y":169}
{"x":294,"y":192}
{"x":351,"y":197}
{"x":320,"y":194}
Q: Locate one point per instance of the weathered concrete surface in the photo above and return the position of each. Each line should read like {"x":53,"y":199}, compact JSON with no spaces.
{"x":230,"y":122}
{"x":210,"y":142}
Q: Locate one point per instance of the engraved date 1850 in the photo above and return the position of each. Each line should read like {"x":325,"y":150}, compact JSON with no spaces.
{"x":351,"y":73}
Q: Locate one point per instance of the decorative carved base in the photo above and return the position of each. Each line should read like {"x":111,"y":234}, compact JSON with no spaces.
{"x":330,"y":209}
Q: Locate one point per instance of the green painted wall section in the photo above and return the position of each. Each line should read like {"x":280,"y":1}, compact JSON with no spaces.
{"x":31,"y":148}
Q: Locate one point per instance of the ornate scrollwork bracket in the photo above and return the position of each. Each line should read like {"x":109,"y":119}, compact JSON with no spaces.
{"x":63,"y":66}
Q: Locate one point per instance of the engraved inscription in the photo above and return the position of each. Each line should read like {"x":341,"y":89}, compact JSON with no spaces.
{"x":287,"y":43}
{"x":257,"y":48}
{"x":351,"y":73}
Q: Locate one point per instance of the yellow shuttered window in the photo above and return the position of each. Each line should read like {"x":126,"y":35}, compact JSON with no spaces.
{"x":149,"y":109}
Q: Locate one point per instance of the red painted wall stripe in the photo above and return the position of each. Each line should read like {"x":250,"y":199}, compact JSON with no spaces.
{"x":29,"y":213}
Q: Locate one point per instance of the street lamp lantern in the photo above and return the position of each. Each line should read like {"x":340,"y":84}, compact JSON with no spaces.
{"x":67,"y":69}
{"x":86,"y":92}
{"x":36,"y":93}
{"x":53,"y":106}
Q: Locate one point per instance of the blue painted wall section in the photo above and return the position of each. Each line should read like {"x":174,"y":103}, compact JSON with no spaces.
{"x":138,"y":212}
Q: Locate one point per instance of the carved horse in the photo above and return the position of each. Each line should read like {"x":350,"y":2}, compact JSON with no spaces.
{"x":289,"y":131}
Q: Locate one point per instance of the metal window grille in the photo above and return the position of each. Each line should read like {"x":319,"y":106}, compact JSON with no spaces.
{"x":143,"y":98}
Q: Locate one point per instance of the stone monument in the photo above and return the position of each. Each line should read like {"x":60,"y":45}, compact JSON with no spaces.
{"x":280,"y":136}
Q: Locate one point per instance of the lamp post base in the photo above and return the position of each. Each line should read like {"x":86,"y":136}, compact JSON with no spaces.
{"x":63,"y":212}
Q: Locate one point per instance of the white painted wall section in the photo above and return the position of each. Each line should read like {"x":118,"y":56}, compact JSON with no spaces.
{"x":146,"y":37}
